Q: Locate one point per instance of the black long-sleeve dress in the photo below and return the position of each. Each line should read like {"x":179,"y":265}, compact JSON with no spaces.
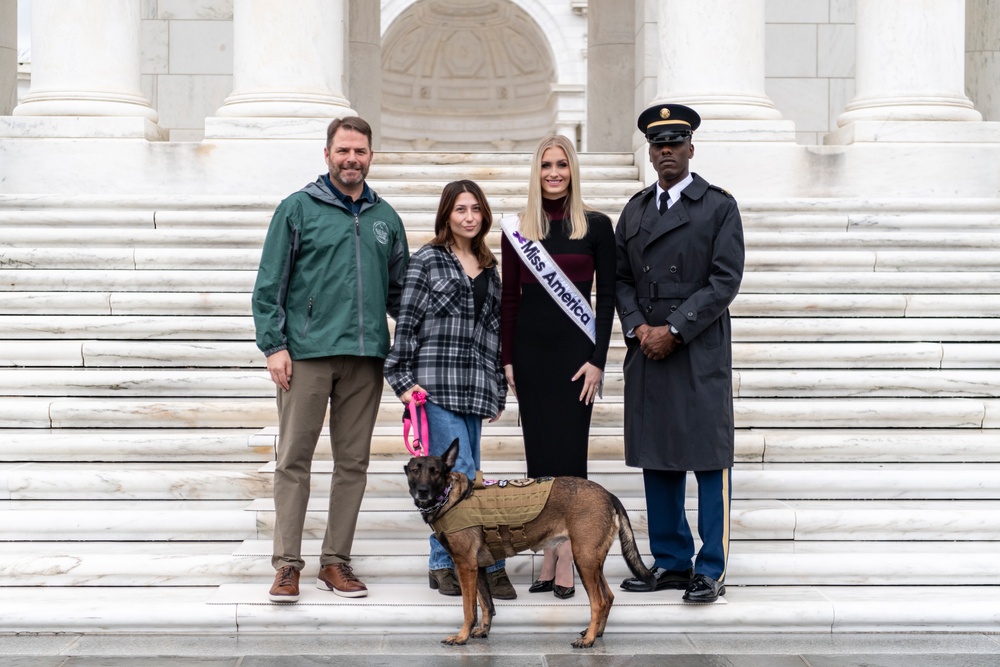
{"x":547,"y":348}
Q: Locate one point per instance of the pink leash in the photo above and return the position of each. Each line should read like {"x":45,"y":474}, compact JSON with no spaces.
{"x":417,"y":418}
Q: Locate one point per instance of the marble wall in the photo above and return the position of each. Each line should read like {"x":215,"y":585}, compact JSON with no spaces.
{"x":810,"y":62}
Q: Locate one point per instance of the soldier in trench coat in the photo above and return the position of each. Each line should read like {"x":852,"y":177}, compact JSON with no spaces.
{"x":680,"y":264}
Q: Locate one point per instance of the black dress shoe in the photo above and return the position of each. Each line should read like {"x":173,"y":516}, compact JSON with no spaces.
{"x":662,"y":579}
{"x":563,"y":593}
{"x":541,"y":586}
{"x":704,"y":589}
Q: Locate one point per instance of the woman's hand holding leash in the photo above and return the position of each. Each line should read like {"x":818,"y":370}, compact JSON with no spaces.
{"x":415,"y":418}
{"x":408,"y":394}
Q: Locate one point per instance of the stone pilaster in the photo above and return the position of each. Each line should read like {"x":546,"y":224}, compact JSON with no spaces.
{"x":8,"y":56}
{"x":610,"y":75}
{"x":364,"y":86}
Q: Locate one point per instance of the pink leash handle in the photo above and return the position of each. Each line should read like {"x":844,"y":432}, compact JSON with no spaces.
{"x":417,"y":419}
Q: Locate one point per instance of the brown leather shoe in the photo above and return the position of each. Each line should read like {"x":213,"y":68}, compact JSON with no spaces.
{"x":286,"y":585}
{"x":500,"y":586}
{"x":339,"y":578}
{"x":444,"y":581}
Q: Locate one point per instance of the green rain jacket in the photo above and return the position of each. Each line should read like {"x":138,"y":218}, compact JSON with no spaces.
{"x":327,"y":278}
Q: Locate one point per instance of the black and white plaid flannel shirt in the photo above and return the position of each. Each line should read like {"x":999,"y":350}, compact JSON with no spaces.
{"x":438,"y":343}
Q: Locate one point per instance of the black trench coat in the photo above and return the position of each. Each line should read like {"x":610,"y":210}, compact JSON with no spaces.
{"x":682,"y":269}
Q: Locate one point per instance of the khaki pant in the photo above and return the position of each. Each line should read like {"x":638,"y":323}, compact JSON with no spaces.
{"x":352,"y":387}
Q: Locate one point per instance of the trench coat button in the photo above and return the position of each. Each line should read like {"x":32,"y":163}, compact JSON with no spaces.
{"x":645,"y":269}
{"x":649,"y":309}
{"x":690,"y":314}
{"x":673,"y":308}
{"x":673,"y":269}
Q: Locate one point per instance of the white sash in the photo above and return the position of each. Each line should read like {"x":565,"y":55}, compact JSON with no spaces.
{"x":551,"y":278}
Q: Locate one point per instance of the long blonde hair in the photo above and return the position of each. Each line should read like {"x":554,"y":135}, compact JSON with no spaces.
{"x":534,"y":221}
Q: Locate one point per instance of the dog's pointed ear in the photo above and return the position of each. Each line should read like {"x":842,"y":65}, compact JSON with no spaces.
{"x":451,"y":456}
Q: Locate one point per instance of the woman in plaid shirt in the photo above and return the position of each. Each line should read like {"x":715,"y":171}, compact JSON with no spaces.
{"x":447,"y":345}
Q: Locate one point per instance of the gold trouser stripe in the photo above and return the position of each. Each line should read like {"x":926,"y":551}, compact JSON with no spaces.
{"x":725,"y":521}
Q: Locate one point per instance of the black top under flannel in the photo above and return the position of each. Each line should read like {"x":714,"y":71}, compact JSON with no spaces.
{"x":440,"y":345}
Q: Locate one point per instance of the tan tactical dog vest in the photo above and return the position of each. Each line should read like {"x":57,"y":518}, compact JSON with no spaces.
{"x":510,"y":503}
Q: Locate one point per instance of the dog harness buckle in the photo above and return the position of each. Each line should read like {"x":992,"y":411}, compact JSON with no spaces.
{"x":493,"y":541}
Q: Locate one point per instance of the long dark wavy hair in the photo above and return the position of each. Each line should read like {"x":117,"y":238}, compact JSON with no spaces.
{"x":442,"y":228}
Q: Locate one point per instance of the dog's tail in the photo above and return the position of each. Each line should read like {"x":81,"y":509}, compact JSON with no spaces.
{"x":627,"y":538}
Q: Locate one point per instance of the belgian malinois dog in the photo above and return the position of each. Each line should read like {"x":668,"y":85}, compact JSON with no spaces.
{"x":576,"y":509}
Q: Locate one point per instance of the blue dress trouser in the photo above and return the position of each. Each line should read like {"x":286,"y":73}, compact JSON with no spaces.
{"x":670,"y":537}
{"x":443,"y":427}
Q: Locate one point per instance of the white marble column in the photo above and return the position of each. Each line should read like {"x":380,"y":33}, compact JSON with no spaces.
{"x":85,"y":63}
{"x":712,"y":59}
{"x":288,"y":69}
{"x":910,"y":62}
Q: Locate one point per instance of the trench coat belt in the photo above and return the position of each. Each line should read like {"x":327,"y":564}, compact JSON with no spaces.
{"x":671,"y":290}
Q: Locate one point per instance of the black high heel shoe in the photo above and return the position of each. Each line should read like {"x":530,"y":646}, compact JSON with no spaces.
{"x":541,"y":586}
{"x":563,"y":593}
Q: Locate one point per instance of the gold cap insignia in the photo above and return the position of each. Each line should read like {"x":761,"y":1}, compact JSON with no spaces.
{"x":664,"y":113}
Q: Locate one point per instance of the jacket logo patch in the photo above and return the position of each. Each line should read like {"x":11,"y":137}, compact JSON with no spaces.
{"x":381,"y":232}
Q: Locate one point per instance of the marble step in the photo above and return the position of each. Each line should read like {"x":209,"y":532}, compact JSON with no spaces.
{"x":746,"y":305}
{"x":381,"y":174}
{"x":383,"y":518}
{"x":751,"y":562}
{"x":499,"y":443}
{"x":231,"y":220}
{"x":752,"y":445}
{"x":248,"y":481}
{"x":817,"y":481}
{"x":250,"y":412}
{"x":151,"y":446}
{"x":243,"y":608}
{"x":129,"y":520}
{"x":429,"y":159}
{"x":748,"y":383}
{"x":981,"y":259}
{"x":804,"y":280}
{"x":245,"y":229}
{"x":207,"y":354}
{"x":745,"y":329}
{"x":750,"y":519}
{"x":810,"y":280}
{"x":404,"y":561}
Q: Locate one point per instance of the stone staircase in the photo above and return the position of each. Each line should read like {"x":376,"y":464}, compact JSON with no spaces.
{"x":137,"y":425}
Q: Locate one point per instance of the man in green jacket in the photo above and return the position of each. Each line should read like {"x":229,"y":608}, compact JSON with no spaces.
{"x":332,"y":267}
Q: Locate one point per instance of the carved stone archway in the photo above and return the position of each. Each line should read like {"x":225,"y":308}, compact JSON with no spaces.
{"x":466,"y":75}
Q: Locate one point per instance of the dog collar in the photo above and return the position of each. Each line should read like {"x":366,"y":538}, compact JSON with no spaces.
{"x":441,"y":500}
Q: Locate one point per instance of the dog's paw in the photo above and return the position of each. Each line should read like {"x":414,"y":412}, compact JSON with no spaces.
{"x":455,"y":640}
{"x":480,"y":633}
{"x":583,"y":642}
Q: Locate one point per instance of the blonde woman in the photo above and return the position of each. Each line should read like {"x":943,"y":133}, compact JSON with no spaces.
{"x":552,"y":365}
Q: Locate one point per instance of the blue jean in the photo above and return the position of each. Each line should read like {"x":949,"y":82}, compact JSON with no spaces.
{"x":444,"y":426}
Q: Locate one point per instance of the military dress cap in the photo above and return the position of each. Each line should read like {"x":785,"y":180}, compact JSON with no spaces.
{"x":667,"y":123}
